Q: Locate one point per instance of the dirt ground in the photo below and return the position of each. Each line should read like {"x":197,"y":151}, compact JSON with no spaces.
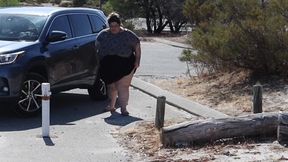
{"x":230,"y":93}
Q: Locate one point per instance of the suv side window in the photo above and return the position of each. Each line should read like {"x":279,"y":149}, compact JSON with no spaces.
{"x":97,"y":23}
{"x":81,"y":24}
{"x":61,"y":23}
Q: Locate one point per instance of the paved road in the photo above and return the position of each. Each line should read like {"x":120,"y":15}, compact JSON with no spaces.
{"x":160,"y":61}
{"x":80,"y":130}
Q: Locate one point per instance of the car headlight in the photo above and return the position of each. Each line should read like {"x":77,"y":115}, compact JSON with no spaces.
{"x":9,"y":57}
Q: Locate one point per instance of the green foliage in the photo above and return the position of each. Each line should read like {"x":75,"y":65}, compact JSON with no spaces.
{"x":158,"y":13}
{"x":56,"y":1}
{"x":173,"y":12}
{"x":41,"y":1}
{"x":107,"y":8}
{"x":248,"y":34}
{"x":126,"y":8}
{"x":129,"y":25}
{"x":79,"y":3}
{"x":7,"y":3}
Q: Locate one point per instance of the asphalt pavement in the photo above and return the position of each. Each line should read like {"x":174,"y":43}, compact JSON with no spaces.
{"x":80,"y":129}
{"x":160,"y":60}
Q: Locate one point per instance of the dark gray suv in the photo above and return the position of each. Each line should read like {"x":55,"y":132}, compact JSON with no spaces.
{"x":48,"y":44}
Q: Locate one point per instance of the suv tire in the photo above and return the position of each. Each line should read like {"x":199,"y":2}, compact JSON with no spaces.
{"x":29,"y":102}
{"x":98,"y":91}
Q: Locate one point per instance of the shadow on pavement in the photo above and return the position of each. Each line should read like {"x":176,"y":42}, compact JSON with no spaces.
{"x":120,"y":120}
{"x":65,"y":108}
{"x":48,"y":141}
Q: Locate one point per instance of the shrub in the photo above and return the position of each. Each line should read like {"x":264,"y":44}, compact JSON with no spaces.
{"x":107,"y":8}
{"x":248,"y":34}
{"x":58,"y":2}
{"x":129,"y":25}
{"x":6,"y":3}
{"x":79,"y":3}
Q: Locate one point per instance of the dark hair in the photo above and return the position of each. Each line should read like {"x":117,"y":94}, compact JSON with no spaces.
{"x":114,"y":17}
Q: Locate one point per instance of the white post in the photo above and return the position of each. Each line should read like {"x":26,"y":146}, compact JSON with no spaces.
{"x":45,"y":109}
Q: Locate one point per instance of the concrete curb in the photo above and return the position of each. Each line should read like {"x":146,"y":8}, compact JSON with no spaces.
{"x":177,"y":101}
{"x":171,"y":43}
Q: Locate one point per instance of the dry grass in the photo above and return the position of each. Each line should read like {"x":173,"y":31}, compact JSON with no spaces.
{"x":230,"y":92}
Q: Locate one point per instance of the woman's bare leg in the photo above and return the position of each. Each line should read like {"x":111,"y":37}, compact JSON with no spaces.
{"x":123,"y":91}
{"x":112,"y":94}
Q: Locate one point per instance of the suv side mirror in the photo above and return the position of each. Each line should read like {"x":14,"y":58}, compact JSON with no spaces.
{"x":55,"y":36}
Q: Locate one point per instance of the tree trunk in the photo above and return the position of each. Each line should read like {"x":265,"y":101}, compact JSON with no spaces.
{"x":146,"y":5}
{"x":148,"y":24}
{"x":282,"y":130}
{"x":171,"y":26}
{"x":154,"y":19}
{"x":179,"y":26}
{"x":196,"y":132}
{"x":161,"y":28}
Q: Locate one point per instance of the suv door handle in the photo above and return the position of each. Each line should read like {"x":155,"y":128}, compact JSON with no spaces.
{"x":76,"y":47}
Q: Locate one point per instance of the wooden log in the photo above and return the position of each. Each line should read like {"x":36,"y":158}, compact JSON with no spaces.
{"x":160,"y":112}
{"x":202,"y":131}
{"x":282,"y":130}
{"x":257,"y":98}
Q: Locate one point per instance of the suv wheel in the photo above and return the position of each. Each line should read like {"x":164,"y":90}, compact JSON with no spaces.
{"x":29,"y":102}
{"x":99,"y":91}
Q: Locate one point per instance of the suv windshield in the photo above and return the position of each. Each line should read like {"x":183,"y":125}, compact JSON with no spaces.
{"x":21,"y":27}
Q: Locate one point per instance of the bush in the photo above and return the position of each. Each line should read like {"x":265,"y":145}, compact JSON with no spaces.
{"x":56,"y":1}
{"x":107,"y":8}
{"x":248,"y":34}
{"x":129,"y":25}
{"x":7,"y":3}
{"x":79,"y":3}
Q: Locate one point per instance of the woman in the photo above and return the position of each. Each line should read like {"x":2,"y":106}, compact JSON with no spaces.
{"x":120,"y":54}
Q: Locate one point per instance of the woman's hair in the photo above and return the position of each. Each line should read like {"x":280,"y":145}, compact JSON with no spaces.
{"x":114,"y":17}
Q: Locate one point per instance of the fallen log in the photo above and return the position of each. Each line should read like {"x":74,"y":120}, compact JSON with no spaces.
{"x":202,"y":131}
{"x":282,"y":130}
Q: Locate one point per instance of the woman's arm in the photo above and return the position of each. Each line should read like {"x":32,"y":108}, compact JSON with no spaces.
{"x":137,"y":55}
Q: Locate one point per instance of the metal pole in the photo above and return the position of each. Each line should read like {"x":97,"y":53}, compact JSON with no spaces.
{"x":45,"y":109}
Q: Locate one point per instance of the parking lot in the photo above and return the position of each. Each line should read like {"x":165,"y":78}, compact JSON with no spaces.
{"x":80,"y":130}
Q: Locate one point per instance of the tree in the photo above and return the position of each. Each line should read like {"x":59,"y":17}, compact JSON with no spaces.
{"x":127,"y":8}
{"x":243,"y":33}
{"x":55,"y":2}
{"x":79,"y":3}
{"x":107,"y":8}
{"x":93,"y":3}
{"x":158,"y":13}
{"x":173,"y":11}
{"x":155,"y":11}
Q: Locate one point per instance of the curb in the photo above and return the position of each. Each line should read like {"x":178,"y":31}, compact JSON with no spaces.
{"x":174,"y":44}
{"x":177,"y":101}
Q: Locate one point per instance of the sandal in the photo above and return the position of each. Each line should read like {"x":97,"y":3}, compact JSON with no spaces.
{"x":125,"y":113}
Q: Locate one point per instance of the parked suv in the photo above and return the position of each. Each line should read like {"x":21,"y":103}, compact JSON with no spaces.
{"x":48,"y":44}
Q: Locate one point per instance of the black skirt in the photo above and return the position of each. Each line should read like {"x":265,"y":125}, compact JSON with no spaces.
{"x":113,"y":68}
